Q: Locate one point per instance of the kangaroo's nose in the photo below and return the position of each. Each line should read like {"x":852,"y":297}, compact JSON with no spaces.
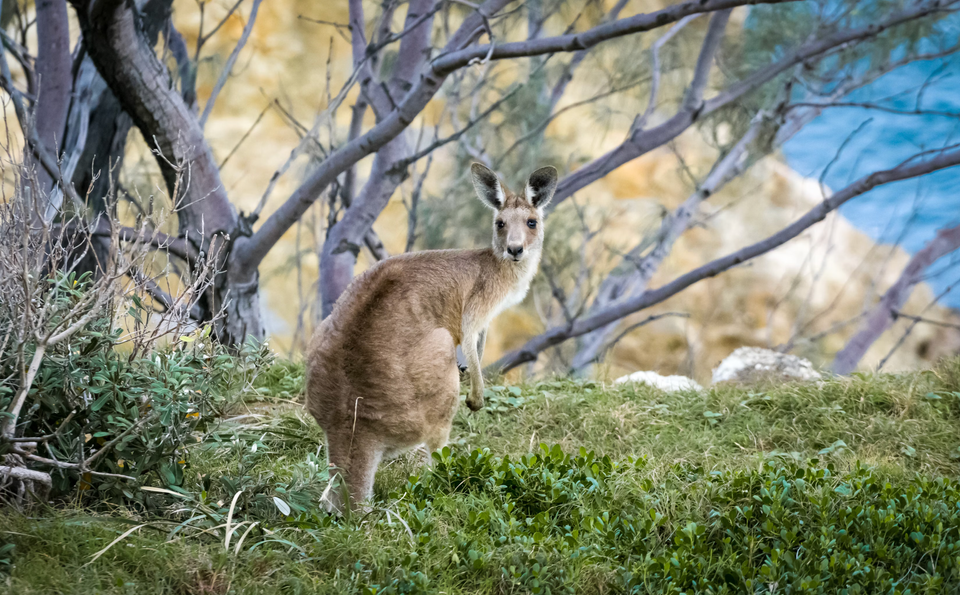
{"x":514,"y":251}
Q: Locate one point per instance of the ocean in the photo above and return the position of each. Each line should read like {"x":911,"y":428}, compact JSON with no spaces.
{"x":909,"y":212}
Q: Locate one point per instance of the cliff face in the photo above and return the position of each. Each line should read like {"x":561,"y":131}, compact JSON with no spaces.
{"x":815,"y":283}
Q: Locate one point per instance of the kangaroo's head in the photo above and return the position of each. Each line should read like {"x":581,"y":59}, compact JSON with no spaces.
{"x":518,"y":218}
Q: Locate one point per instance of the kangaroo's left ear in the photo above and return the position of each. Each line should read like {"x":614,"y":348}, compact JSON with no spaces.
{"x":541,"y":186}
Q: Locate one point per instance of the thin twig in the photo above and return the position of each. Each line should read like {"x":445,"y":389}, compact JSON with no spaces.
{"x":225,"y":74}
{"x":898,"y":314}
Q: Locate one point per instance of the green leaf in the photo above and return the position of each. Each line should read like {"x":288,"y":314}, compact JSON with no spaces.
{"x":282,"y":506}
{"x":100,"y":402}
{"x":839,"y":444}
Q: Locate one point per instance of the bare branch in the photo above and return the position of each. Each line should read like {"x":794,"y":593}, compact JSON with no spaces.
{"x":244,"y":137}
{"x":375,"y":245}
{"x":822,"y":46}
{"x":340,"y":27}
{"x":449,"y":61}
{"x":354,"y":228}
{"x":203,"y":37}
{"x":655,"y":70}
{"x":250,"y":253}
{"x":877,"y":107}
{"x":539,"y":128}
{"x":53,"y":72}
{"x":567,"y":75}
{"x":51,"y":436}
{"x":693,"y":98}
{"x":913,"y":324}
{"x":39,"y":149}
{"x":940,"y":323}
{"x":145,"y":92}
{"x":414,"y":204}
{"x":168,"y":302}
{"x":641,"y":142}
{"x":429,"y":149}
{"x":556,"y":335}
{"x":356,"y":126}
{"x":617,"y":287}
{"x":225,"y":74}
{"x":157,"y":239}
{"x":652,"y":318}
{"x":887,"y":309}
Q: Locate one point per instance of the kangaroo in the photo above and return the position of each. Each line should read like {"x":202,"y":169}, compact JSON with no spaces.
{"x":382,"y":373}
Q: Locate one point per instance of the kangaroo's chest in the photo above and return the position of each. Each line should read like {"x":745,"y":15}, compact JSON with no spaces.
{"x":511,"y":294}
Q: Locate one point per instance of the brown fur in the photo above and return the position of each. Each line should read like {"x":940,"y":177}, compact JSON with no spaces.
{"x":382,"y":374}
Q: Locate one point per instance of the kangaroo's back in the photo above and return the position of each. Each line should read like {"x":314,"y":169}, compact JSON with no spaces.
{"x":364,"y":347}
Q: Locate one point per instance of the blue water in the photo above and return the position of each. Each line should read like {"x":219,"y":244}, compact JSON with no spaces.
{"x":908,"y":212}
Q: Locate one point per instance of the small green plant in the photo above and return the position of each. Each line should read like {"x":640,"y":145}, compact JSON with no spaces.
{"x":6,"y":557}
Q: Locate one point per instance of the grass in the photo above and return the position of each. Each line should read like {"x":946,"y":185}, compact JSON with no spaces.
{"x":839,"y":486}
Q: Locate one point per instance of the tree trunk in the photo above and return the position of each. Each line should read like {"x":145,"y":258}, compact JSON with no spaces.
{"x":342,"y":246}
{"x":53,"y":90}
{"x":207,"y":220}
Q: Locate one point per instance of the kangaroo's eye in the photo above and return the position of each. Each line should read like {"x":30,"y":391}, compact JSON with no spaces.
{"x":499,"y":224}
{"x":532,"y":223}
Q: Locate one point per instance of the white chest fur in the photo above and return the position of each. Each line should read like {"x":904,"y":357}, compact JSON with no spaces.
{"x":518,"y":290}
{"x":520,"y":275}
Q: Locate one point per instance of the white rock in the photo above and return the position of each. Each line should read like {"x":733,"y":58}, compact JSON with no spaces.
{"x":665,"y":383}
{"x":748,"y":363}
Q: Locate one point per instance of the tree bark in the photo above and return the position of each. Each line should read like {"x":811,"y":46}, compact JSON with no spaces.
{"x":53,"y":89}
{"x":206,"y":218}
{"x":640,"y":142}
{"x":429,"y":82}
{"x":97,"y":127}
{"x":342,"y":246}
{"x":882,"y":316}
{"x":636,"y":277}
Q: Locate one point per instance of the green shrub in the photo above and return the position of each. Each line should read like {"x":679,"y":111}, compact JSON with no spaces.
{"x":680,"y":505}
{"x":539,"y":523}
{"x":141,"y":413}
{"x":6,"y":557}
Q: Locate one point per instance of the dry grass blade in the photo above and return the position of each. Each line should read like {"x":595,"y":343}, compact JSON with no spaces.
{"x":236,"y":550}
{"x":229,"y":531}
{"x":165,"y":491}
{"x":113,"y":543}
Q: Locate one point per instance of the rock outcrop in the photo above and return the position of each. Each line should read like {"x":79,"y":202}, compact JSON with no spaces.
{"x":749,"y":364}
{"x":665,"y":383}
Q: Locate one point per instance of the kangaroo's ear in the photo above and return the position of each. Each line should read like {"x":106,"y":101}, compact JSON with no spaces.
{"x":488,"y":187}
{"x":541,"y":186}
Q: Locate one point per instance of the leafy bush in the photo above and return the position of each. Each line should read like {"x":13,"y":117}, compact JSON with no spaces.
{"x":6,"y":557}
{"x":74,"y":411}
{"x":782,"y":528}
{"x":551,"y":522}
{"x":129,"y":418}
